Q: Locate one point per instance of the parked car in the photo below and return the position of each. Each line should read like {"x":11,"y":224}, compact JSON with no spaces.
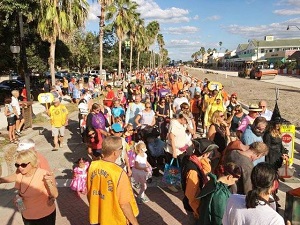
{"x":12,"y":84}
{"x":93,"y":72}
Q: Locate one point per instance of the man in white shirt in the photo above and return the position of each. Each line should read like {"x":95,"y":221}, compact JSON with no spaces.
{"x":179,"y":100}
{"x":17,"y":111}
{"x":265,"y":112}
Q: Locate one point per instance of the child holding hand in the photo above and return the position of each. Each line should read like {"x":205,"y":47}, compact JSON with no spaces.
{"x":78,"y":182}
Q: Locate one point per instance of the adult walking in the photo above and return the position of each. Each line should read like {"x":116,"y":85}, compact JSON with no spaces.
{"x":17,"y":111}
{"x":11,"y":120}
{"x":37,"y":189}
{"x":134,"y":108}
{"x":163,"y":114}
{"x":59,"y":120}
{"x":108,"y":205}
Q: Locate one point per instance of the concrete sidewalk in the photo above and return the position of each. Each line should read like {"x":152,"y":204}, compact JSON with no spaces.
{"x":163,"y":208}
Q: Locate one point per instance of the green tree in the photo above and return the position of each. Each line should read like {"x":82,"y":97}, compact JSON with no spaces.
{"x":202,"y":52}
{"x":152,"y":30}
{"x":122,"y":12}
{"x":161,"y":45}
{"x":58,"y":19}
{"x":141,"y":43}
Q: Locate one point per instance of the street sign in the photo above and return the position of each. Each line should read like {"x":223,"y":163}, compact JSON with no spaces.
{"x":45,"y":98}
{"x":288,"y":139}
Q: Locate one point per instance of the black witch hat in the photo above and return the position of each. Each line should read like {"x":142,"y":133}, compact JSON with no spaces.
{"x":276,"y":117}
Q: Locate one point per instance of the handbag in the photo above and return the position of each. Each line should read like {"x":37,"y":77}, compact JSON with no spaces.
{"x":172,"y":173}
{"x":285,"y":171}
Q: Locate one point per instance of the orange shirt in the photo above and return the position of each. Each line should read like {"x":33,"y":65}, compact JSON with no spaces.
{"x":174,"y":88}
{"x":36,"y":196}
{"x":195,"y":103}
{"x":179,"y":85}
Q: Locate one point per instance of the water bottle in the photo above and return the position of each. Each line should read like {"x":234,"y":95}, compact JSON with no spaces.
{"x":20,"y":204}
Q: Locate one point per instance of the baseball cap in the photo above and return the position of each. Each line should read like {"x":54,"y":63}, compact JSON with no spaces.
{"x":116,"y":127}
{"x":25,"y":144}
{"x":180,"y":92}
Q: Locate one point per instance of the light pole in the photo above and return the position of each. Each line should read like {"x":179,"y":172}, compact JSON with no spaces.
{"x":15,"y":49}
{"x":288,"y":27}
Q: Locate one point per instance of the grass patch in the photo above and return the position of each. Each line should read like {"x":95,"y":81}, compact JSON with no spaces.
{"x":72,"y":107}
{"x":40,"y":118}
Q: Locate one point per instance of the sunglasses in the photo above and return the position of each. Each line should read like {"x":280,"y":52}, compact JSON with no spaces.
{"x":185,"y":108}
{"x":234,"y":97}
{"x":148,"y":107}
{"x":23,"y":165}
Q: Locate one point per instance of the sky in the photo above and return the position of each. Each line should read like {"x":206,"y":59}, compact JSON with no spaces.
{"x":188,"y":25}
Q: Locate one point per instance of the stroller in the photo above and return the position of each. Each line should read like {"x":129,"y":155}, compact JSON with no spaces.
{"x":155,"y":146}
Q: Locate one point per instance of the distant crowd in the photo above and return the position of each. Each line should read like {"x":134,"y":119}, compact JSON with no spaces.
{"x":163,"y":123}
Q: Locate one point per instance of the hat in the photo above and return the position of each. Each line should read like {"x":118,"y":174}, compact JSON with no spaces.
{"x":254,"y":108}
{"x":180,"y":92}
{"x":197,"y":93}
{"x":203,"y":145}
{"x":234,"y":94}
{"x":116,"y":127}
{"x":56,"y":100}
{"x":25,"y":144}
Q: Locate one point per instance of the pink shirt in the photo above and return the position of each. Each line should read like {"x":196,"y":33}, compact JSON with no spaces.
{"x":245,"y":122}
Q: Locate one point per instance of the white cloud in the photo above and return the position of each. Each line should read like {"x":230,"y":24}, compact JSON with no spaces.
{"x":196,"y":17}
{"x":278,"y":30}
{"x":213,"y":18}
{"x":149,"y":9}
{"x":289,"y":2}
{"x":287,"y":12}
{"x":183,"y":44}
{"x":94,"y":11}
{"x":181,"y":30}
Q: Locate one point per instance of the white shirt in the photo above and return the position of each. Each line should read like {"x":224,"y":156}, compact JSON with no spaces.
{"x":141,"y":160}
{"x":178,"y":101}
{"x":236,"y":213}
{"x":267,"y":114}
{"x":147,"y":117}
{"x":15,"y":103}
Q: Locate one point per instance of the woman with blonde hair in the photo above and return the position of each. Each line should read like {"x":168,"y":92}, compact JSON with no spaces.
{"x":218,"y":131}
{"x":37,"y":190}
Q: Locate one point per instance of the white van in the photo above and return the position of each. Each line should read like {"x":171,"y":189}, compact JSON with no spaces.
{"x":93,"y":72}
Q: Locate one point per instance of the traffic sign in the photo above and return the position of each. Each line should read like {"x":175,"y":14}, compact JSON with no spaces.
{"x":45,"y":98}
{"x":288,"y":139}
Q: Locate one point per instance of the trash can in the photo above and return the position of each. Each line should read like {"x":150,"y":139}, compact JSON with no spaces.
{"x":292,"y":206}
{"x":27,"y":114}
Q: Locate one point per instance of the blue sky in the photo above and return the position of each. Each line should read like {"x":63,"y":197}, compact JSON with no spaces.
{"x":188,"y":25}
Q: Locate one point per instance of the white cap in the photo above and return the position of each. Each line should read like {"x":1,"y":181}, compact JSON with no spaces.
{"x":25,"y":144}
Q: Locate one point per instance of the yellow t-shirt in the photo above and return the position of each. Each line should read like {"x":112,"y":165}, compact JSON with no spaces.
{"x":108,"y":187}
{"x":58,"y":115}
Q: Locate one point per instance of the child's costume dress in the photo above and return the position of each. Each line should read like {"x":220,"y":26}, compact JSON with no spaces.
{"x":78,"y":182}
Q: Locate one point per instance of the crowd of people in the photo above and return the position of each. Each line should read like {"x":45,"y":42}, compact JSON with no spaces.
{"x":228,"y":158}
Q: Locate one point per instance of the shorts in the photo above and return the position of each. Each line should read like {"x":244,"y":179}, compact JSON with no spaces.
{"x":20,"y":117}
{"x":58,"y":131}
{"x":11,"y":121}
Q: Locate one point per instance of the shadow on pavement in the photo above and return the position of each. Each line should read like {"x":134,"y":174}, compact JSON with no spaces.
{"x":72,"y":208}
{"x":163,"y":208}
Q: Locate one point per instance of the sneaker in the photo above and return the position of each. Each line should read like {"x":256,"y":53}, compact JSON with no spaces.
{"x":18,"y":133}
{"x":173,"y":189}
{"x":142,"y":200}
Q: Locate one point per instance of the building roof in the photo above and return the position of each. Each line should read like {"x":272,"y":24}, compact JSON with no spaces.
{"x":278,"y":43}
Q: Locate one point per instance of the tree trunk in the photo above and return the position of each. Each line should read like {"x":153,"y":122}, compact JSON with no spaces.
{"x":120,"y":58}
{"x":138,"y":60}
{"x":101,"y":23}
{"x":131,"y":50}
{"x":51,"y":61}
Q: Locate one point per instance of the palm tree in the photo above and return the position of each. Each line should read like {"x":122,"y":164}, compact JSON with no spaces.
{"x":103,"y":5}
{"x":58,"y":19}
{"x":123,"y":13}
{"x":161,"y":44}
{"x":152,"y":31}
{"x":202,"y":52}
{"x":136,"y":24}
{"x":141,"y":43}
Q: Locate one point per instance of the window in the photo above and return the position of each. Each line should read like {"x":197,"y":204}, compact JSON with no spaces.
{"x":262,"y":50}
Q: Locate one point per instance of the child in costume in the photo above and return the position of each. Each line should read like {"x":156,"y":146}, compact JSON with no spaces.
{"x":78,"y":182}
